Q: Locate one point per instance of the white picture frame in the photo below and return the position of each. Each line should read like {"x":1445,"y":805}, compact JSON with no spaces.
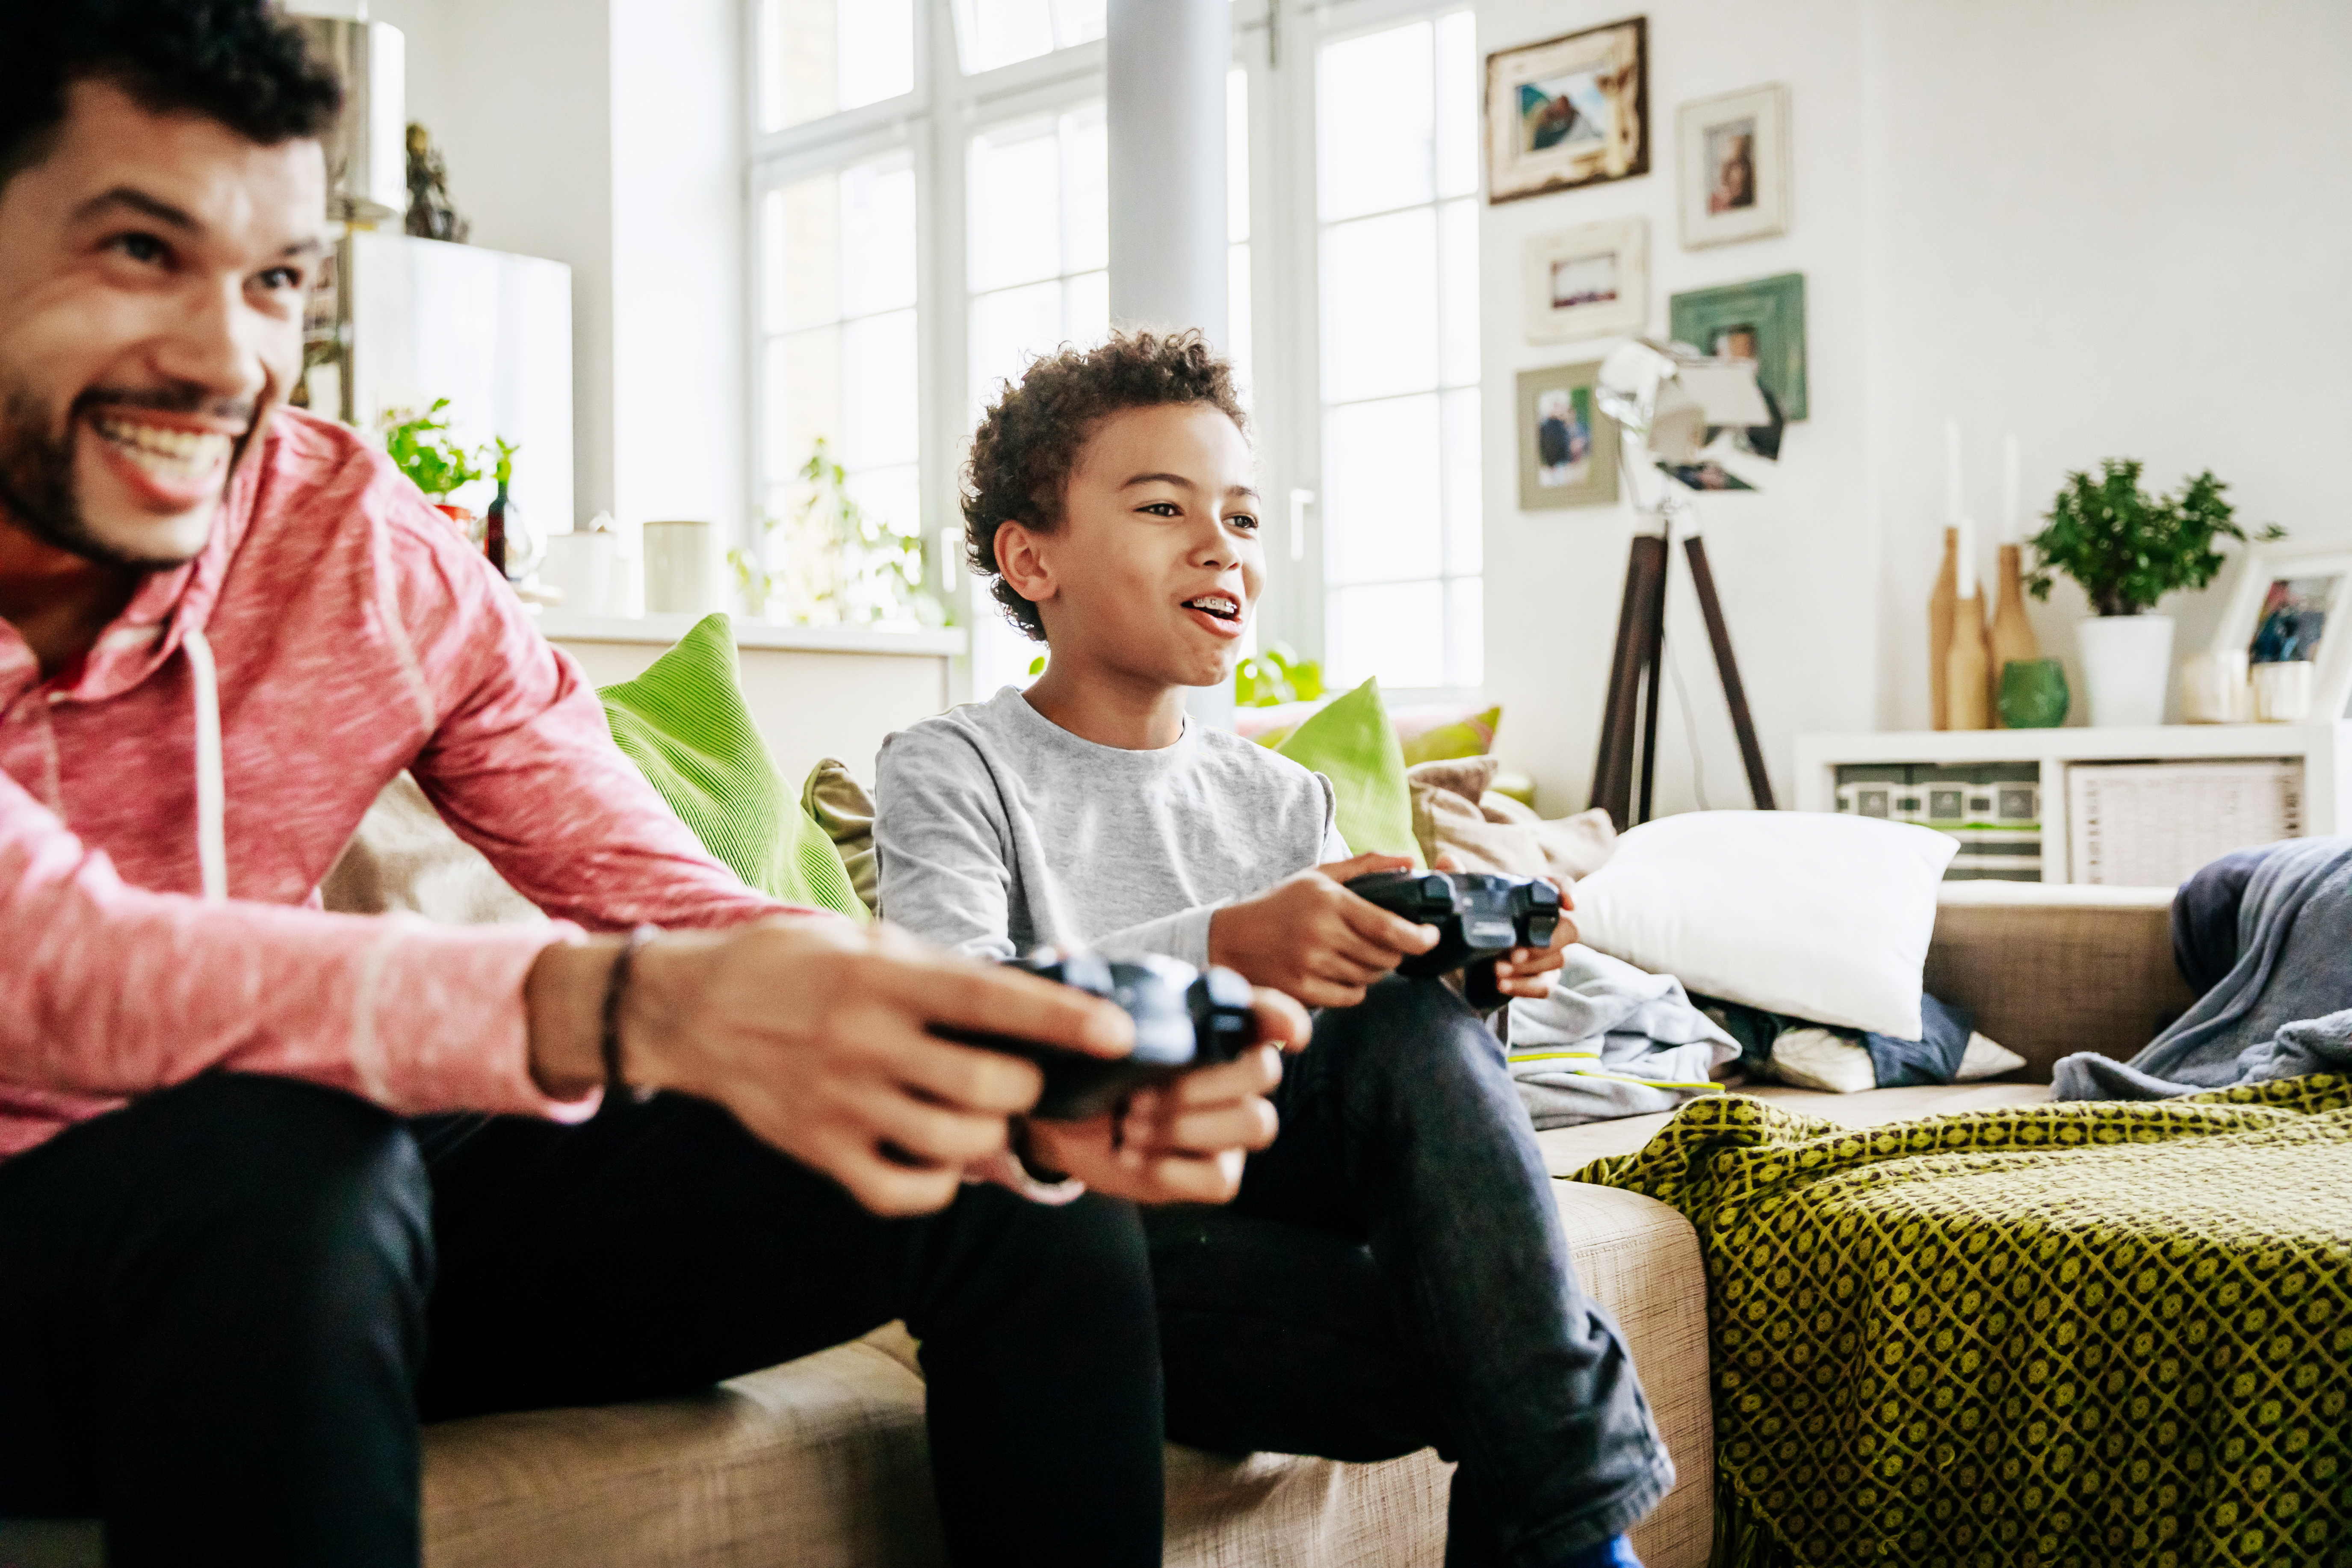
{"x":2322,"y":570}
{"x":1591,"y":281}
{"x":1718,"y":139}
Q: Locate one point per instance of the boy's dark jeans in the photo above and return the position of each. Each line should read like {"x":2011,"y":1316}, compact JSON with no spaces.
{"x":1395,"y":1276}
{"x":223,"y":1308}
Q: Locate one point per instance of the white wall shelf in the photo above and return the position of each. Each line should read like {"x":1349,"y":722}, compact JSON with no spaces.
{"x":2325,"y":751}
{"x":663,"y":631}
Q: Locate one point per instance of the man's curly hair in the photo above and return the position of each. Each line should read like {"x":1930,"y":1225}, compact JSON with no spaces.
{"x":239,"y":62}
{"x":1028,"y":441}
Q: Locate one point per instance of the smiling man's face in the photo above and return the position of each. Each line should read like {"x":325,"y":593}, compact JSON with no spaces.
{"x":152,"y":273}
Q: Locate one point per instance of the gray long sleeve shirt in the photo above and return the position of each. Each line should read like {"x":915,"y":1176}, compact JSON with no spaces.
{"x":999,"y":831}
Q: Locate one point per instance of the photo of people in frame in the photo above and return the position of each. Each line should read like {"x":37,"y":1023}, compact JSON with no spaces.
{"x":2294,"y":617}
{"x":1564,"y":437}
{"x":1731,"y":159}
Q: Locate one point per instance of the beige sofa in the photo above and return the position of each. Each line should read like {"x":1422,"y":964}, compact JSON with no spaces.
{"x":821,"y":1463}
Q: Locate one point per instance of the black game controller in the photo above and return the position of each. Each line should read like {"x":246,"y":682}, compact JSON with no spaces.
{"x":1184,"y":1018}
{"x":1479,"y":916}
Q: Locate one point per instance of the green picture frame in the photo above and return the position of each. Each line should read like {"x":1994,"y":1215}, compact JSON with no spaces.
{"x":1772,"y":309}
{"x":1566,"y":394}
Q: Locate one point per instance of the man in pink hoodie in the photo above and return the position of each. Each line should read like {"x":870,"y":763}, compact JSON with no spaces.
{"x":275,"y":1183}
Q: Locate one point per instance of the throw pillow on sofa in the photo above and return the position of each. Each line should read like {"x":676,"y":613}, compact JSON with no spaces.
{"x":1352,"y":744}
{"x":1455,"y":812}
{"x":843,"y":807}
{"x":1818,"y":915}
{"x":685,"y":724}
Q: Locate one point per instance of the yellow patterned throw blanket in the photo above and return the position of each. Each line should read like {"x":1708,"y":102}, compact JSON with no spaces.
{"x":2081,"y":1333}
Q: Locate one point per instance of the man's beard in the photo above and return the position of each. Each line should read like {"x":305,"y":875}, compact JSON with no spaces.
{"x":37,"y":469}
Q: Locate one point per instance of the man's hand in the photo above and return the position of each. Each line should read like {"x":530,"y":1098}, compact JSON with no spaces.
{"x":814,"y":1034}
{"x":1524,"y":971}
{"x":1184,"y":1140}
{"x":1310,"y":938}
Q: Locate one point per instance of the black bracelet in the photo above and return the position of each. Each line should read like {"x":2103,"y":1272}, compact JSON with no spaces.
{"x":616,"y":1082}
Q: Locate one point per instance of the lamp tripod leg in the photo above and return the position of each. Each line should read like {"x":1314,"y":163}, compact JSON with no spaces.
{"x":1735,"y":695}
{"x":1612,"y":768}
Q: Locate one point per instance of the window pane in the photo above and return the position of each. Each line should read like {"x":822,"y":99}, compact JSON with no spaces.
{"x":1457,"y":105}
{"x":1237,"y":318}
{"x":1236,"y":156}
{"x":1014,"y":209}
{"x":803,"y":397}
{"x":1380,"y":490}
{"x":891,"y":495}
{"x":820,"y":56}
{"x":878,"y":391}
{"x":1372,"y":121}
{"x":1465,"y":633}
{"x":1085,"y":191}
{"x":1380,"y":306}
{"x":1458,"y":302}
{"x":1001,"y":656}
{"x":998,"y":32}
{"x":1086,"y":310}
{"x":1396,"y":632}
{"x":804,"y":253}
{"x":877,"y":237}
{"x":1008,"y":329}
{"x":1465,"y":544}
{"x":1077,"y":21}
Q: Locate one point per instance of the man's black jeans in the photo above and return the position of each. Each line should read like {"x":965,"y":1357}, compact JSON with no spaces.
{"x":1393,"y":1276}
{"x":224,"y":1308}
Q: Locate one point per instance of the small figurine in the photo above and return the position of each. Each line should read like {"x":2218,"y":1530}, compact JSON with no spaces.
{"x":430,"y":213}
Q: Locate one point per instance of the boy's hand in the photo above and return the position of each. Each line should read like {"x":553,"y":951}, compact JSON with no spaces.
{"x":1522,"y":972}
{"x":1310,"y":938}
{"x":1183,"y":1140}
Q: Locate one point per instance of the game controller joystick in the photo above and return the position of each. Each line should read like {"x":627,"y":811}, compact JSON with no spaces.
{"x":1479,"y":916}
{"x":1184,"y":1018}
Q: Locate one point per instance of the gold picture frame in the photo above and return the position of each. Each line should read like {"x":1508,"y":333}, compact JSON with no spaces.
{"x":1569,"y":112}
{"x":1568,"y":446}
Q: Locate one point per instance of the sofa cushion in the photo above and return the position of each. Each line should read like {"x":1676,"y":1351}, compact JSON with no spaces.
{"x":822,"y":1462}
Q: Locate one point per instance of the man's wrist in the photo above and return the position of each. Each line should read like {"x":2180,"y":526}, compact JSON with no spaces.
{"x":563,"y":1000}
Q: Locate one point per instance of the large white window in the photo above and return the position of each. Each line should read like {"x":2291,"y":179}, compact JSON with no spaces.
{"x":931,"y":213}
{"x":1397,"y":218}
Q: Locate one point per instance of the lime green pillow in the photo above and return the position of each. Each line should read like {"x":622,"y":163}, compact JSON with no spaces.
{"x":1352,"y":744}
{"x":683,"y":724}
{"x":1473,"y":736}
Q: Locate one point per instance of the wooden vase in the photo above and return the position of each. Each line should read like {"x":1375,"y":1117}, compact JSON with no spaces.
{"x":1968,"y":693}
{"x":2012,"y":635}
{"x":1940,"y":631}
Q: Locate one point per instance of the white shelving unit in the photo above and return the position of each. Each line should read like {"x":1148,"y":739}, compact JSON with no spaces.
{"x":2325,"y":751}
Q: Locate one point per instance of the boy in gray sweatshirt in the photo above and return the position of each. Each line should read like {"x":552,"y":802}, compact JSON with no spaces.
{"x":1393,"y":1274}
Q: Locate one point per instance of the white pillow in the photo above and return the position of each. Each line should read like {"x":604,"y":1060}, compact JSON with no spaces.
{"x":1818,"y":1058}
{"x":1820,"y":916}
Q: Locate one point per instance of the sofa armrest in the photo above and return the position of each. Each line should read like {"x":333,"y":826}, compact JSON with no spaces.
{"x":2049,"y":970}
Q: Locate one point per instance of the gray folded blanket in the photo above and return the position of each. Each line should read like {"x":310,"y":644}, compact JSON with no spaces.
{"x":2281,"y":1011}
{"x":1610,"y":1040}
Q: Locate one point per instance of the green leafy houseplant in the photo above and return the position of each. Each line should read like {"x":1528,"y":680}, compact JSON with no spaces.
{"x":2128,"y":549}
{"x":841,"y":562}
{"x":419,"y":444}
{"x":1276,"y":676}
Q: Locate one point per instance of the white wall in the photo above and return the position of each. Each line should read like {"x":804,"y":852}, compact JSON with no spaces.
{"x":2103,"y":225}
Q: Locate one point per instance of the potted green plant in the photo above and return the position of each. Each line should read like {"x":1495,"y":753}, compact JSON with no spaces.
{"x":420,"y":447}
{"x":2128,"y":549}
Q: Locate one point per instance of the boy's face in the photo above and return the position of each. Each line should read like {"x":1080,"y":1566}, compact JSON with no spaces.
{"x":152,"y":273}
{"x":1157,"y":564}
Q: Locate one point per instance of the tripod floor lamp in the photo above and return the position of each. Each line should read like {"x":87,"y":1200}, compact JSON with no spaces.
{"x":1675,"y":411}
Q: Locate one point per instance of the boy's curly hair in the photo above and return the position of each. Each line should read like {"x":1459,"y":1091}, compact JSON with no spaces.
{"x":240,"y":62}
{"x":1029,"y":440}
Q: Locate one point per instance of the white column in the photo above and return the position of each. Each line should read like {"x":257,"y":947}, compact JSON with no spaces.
{"x":1166,"y":112}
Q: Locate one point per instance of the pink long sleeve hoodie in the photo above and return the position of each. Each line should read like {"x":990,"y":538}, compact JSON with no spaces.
{"x":354,"y":633}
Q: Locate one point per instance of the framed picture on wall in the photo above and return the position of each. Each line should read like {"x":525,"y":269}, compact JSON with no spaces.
{"x":2292,"y":603}
{"x":1568,"y":447}
{"x":1569,"y":112}
{"x":1763,"y":320}
{"x":1734,"y":157}
{"x":1589,"y":282}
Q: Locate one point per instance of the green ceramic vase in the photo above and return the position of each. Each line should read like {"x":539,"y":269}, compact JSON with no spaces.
{"x":2033,"y":694}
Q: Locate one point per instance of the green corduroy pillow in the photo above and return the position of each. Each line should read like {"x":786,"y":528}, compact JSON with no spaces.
{"x":683,"y":724}
{"x":1352,"y":744}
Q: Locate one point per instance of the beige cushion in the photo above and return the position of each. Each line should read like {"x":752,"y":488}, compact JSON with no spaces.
{"x":822,"y":1462}
{"x":405,"y":857}
{"x":837,"y":802}
{"x":1455,"y":811}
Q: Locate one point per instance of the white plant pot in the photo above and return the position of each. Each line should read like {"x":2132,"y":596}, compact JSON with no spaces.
{"x":2126,"y":664}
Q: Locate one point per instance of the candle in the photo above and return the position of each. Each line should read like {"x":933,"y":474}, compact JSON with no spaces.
{"x":2009,"y":521}
{"x":1965,"y":575}
{"x":1951,"y":473}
